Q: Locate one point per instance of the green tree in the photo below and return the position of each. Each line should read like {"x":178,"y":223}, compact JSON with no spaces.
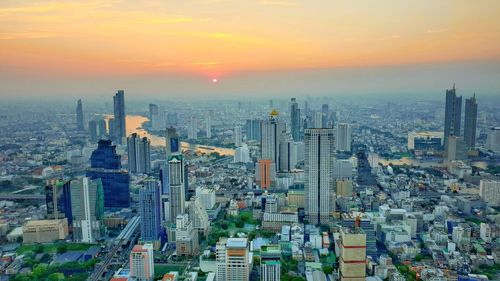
{"x":62,"y":248}
{"x":328,"y":269}
{"x":39,"y":249}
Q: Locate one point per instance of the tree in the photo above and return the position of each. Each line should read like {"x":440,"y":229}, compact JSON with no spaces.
{"x":62,"y":248}
{"x":328,"y":269}
{"x":39,"y":249}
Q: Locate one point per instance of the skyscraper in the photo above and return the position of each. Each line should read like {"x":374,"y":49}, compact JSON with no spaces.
{"x":119,"y":116}
{"x":343,"y":137}
{"x":470,"y":122}
{"x":93,"y":130}
{"x":105,"y":164}
{"x":101,"y":129}
{"x":142,"y":262}
{"x":58,"y":200}
{"x":172,"y":141}
{"x":325,"y":120}
{"x":150,"y":210}
{"x":208,"y":123}
{"x":270,"y":263}
{"x":271,"y":133}
{"x":295,"y":120}
{"x":493,"y":140}
{"x":177,"y":187}
{"x":352,"y":262}
{"x":87,"y":205}
{"x":319,"y":145}
{"x":192,"y":128}
{"x":232,"y":259}
{"x":79,"y":116}
{"x":252,"y":128}
{"x":237,"y":136}
{"x":139,"y":154}
{"x":453,"y":114}
{"x":287,"y":159}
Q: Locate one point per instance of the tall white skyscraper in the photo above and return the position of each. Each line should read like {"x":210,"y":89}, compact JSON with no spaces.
{"x":232,"y":259}
{"x":271,"y":133}
{"x":242,"y":154}
{"x":142,"y":262}
{"x":177,"y":187}
{"x":343,"y":137}
{"x":489,"y":190}
{"x":318,"y":169}
{"x":87,"y":205}
{"x":237,"y":136}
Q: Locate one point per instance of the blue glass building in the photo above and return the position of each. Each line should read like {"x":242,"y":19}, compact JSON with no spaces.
{"x":105,"y":164}
{"x":150,"y":210}
{"x":58,"y":200}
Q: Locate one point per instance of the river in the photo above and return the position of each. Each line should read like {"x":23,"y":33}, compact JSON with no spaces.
{"x":134,"y":125}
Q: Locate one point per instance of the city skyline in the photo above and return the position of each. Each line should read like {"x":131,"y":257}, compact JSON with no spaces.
{"x":89,"y":47}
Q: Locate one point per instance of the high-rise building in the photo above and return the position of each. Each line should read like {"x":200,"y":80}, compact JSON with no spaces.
{"x":139,"y":154}
{"x":150,"y":210}
{"x":319,"y":145}
{"x":101,"y":129}
{"x":325,"y":120}
{"x":119,"y":132}
{"x":265,"y":173}
{"x":156,"y":117}
{"x":271,"y":132}
{"x":352,"y":260}
{"x":453,"y":114}
{"x":105,"y":164}
{"x":208,"y":123}
{"x":237,"y":136}
{"x":295,"y":120}
{"x":470,"y":122}
{"x":344,"y":187}
{"x":206,"y":196}
{"x":79,"y":116}
{"x":287,"y":156}
{"x":342,"y":169}
{"x":177,"y":186}
{"x":367,"y":225}
{"x":318,"y":119}
{"x":142,"y":262}
{"x":193,"y":128}
{"x":58,"y":200}
{"x":198,"y":215}
{"x":270,"y":263}
{"x":232,"y":259}
{"x":343,"y":137}
{"x":489,"y":190}
{"x":242,"y":154}
{"x":455,"y":149}
{"x":253,"y":129}
{"x":425,"y":142}
{"x":186,"y":236}
{"x":493,"y":140}
{"x":172,"y":141}
{"x":87,"y":206}
{"x":93,"y":130}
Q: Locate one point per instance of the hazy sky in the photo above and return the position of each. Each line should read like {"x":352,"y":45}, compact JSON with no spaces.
{"x":92,"y":47}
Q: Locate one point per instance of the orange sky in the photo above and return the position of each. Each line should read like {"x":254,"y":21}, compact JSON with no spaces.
{"x":91,"y":39}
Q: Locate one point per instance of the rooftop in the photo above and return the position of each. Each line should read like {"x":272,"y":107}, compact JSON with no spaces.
{"x":236,"y":243}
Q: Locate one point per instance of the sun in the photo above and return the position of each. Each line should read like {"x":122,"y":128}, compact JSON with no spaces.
{"x":214,"y":80}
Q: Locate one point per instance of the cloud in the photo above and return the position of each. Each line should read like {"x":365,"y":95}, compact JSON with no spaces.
{"x":278,"y":3}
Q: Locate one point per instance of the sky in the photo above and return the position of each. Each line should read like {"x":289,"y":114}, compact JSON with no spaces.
{"x":252,"y":47}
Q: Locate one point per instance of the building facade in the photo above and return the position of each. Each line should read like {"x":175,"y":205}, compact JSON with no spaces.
{"x":139,"y":154}
{"x":119,"y":132}
{"x":87,"y":204}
